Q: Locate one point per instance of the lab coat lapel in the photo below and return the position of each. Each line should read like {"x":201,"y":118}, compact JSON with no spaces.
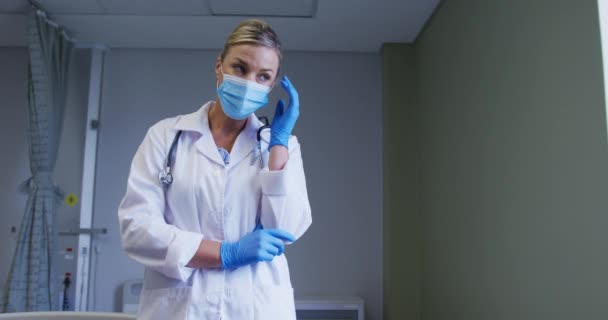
{"x":243,"y":146}
{"x":206,"y":145}
{"x":199,"y":122}
{"x":246,"y":142}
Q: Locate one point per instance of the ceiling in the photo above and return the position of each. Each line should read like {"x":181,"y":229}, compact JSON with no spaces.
{"x":302,"y":25}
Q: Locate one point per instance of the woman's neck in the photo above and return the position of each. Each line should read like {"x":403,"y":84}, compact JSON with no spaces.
{"x":220,"y":123}
{"x":224,"y":129}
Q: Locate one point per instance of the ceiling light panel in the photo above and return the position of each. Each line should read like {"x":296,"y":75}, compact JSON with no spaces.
{"x":155,"y":7}
{"x":269,"y":8}
{"x":127,"y":7}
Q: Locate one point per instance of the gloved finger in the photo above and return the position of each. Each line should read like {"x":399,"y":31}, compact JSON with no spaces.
{"x":277,"y":243}
{"x":281,"y":234}
{"x":271,"y":248}
{"x":291,"y":90}
{"x":265,"y":256}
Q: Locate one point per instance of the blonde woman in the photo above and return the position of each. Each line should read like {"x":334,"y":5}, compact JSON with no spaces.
{"x":207,"y":211}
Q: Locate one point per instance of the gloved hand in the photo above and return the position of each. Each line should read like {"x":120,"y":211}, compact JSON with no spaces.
{"x":259,"y":245}
{"x":284,"y":120}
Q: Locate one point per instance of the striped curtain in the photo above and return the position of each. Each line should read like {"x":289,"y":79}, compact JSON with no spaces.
{"x":32,"y":283}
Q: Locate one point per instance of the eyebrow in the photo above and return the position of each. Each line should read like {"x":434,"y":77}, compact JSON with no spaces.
{"x":245,"y":63}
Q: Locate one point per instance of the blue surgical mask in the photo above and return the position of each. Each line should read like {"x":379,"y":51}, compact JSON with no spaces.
{"x":240,"y":98}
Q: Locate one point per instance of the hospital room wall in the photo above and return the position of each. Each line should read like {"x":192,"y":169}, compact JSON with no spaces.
{"x":13,"y":90}
{"x":13,"y":142}
{"x":514,"y":161}
{"x":340,"y":130}
{"x":401,"y":179}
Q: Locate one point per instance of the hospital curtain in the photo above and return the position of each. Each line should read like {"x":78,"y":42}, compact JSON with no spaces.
{"x":31,"y":283}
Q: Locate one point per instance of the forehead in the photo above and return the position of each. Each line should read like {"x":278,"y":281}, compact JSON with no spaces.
{"x":256,"y":56}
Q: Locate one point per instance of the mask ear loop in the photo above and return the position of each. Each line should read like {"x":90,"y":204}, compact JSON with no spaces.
{"x":217,"y":84}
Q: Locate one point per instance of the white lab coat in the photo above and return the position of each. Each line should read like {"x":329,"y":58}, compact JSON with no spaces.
{"x":162,"y":229}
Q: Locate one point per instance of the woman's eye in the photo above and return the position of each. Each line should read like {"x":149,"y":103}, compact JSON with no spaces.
{"x":238,"y":69}
{"x":264,"y":77}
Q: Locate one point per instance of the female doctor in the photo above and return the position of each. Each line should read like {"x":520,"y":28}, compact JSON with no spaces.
{"x":212,"y":235}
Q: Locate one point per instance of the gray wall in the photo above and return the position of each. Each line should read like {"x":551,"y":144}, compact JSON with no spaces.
{"x":340,"y":132}
{"x":13,"y":141}
{"x":401,"y":138}
{"x":514,"y":161}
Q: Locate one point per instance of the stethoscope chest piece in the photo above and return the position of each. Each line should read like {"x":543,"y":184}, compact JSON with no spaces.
{"x":165,"y":177}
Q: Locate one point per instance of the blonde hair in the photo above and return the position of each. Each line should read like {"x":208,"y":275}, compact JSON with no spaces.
{"x":253,"y":31}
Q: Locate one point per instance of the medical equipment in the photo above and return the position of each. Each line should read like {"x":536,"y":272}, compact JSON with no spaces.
{"x":65,"y":301}
{"x":131,"y":290}
{"x":165,"y":177}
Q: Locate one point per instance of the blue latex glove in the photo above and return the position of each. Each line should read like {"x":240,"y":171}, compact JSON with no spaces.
{"x":259,"y":245}
{"x":284,"y":120}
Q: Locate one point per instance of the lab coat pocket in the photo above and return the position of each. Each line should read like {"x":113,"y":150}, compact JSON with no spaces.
{"x":274,"y":302}
{"x":165,"y":303}
{"x":238,"y":304}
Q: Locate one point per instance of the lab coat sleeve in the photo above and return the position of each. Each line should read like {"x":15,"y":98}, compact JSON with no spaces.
{"x":285,"y":202}
{"x":146,"y":236}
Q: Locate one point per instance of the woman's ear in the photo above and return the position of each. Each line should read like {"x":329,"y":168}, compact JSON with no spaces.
{"x":218,"y":68}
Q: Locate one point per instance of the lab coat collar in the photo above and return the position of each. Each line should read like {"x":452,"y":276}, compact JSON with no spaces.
{"x":198,"y":121}
{"x":246,"y":142}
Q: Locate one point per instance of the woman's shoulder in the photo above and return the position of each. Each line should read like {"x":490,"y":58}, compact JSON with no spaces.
{"x":189,"y":121}
{"x":164,"y":124}
{"x":186,"y":120}
{"x":162,"y":127}
{"x":162,"y":130}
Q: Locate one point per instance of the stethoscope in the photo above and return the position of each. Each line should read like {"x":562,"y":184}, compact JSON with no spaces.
{"x":165,"y":177}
